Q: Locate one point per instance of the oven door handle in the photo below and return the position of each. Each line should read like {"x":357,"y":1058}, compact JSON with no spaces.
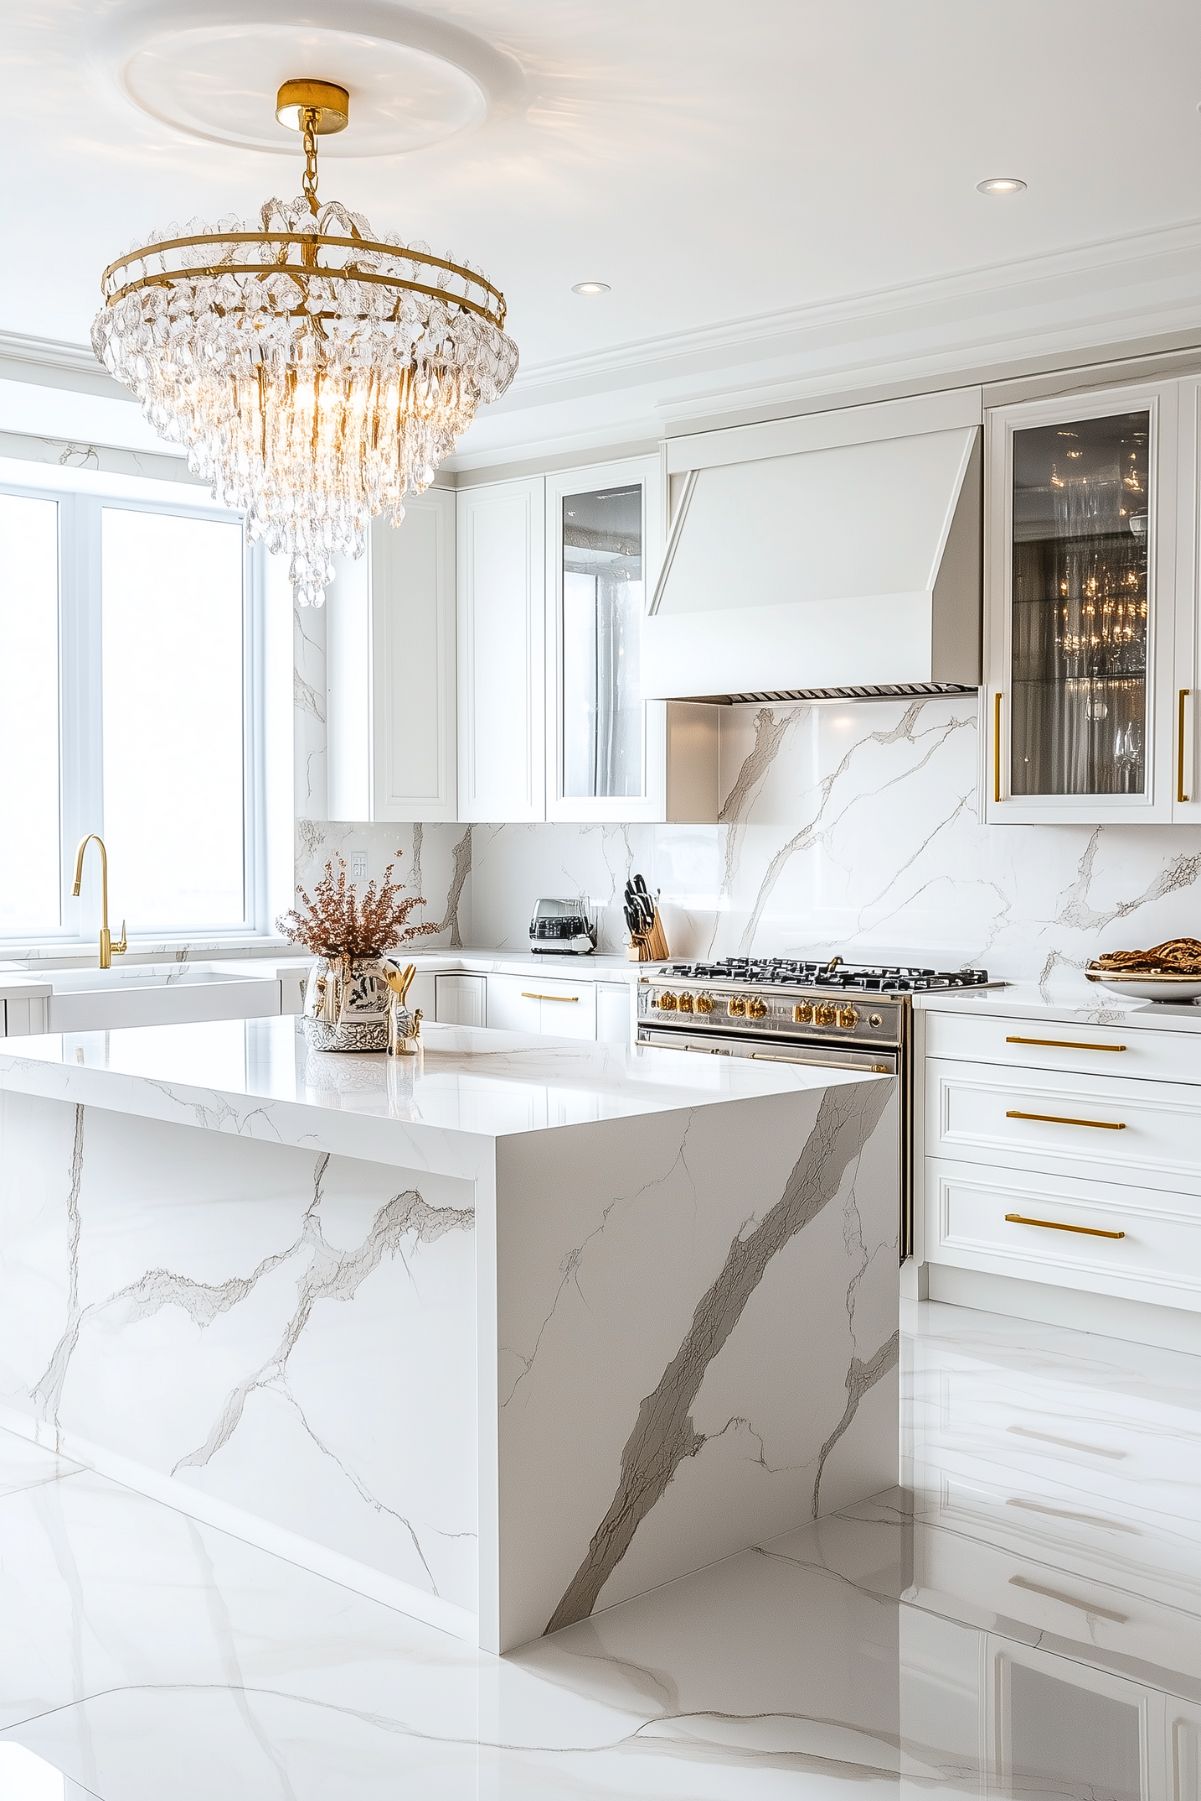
{"x":845,"y":1063}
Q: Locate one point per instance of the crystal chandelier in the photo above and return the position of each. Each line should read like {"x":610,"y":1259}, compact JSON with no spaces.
{"x":315,"y":372}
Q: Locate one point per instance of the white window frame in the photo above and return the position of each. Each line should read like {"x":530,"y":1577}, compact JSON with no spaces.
{"x":80,"y":716}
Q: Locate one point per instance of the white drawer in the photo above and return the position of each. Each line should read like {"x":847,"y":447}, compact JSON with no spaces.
{"x":978,"y":1218}
{"x":545,"y":1004}
{"x":984,"y":1580}
{"x":1122,"y":1051}
{"x":510,"y":1009}
{"x":1106,"y":1129}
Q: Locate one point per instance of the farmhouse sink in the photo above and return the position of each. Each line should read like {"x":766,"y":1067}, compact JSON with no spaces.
{"x":143,"y":994}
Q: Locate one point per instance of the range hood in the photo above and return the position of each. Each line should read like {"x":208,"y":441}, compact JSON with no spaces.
{"x":849,"y":567}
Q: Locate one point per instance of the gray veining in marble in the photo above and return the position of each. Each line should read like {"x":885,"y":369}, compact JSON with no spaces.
{"x":664,"y":1434}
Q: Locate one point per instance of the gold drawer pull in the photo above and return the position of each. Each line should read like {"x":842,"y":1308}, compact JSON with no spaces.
{"x":1064,"y":1044}
{"x":1058,"y":1225}
{"x":526,"y":995}
{"x":1061,"y":1119}
{"x":1182,"y":703}
{"x":1057,"y":1594}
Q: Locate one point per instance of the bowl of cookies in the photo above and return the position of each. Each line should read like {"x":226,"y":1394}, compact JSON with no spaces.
{"x":1166,"y":972}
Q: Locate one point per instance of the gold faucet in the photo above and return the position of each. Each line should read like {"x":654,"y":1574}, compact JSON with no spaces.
{"x":107,"y":948}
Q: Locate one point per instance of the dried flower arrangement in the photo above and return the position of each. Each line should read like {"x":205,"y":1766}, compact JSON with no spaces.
{"x":336,"y":921}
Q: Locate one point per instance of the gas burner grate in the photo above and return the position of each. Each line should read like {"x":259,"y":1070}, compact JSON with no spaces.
{"x":855,"y":978}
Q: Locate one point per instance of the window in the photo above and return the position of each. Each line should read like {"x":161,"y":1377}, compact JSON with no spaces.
{"x":129,"y":645}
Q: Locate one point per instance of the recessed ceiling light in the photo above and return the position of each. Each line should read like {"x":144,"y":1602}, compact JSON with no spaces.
{"x":591,"y":287}
{"x":1001,"y":184}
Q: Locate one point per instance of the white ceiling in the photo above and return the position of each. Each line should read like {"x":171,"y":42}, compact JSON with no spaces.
{"x":714,"y":163}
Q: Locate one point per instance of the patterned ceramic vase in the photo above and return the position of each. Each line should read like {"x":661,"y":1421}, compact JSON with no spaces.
{"x":346,"y":1004}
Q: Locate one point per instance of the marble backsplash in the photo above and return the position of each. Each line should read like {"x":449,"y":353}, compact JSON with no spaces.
{"x":855,"y":829}
{"x":850,"y":829}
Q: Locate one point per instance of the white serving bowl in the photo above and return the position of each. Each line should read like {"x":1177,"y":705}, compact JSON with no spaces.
{"x":1167,"y":987}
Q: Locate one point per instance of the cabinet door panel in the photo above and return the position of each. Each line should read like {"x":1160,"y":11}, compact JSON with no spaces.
{"x":613,"y":1006}
{"x":413,"y":661}
{"x":461,"y":1000}
{"x":390,"y":670}
{"x":501,"y":664}
{"x":1186,"y":687}
{"x":1081,"y":606}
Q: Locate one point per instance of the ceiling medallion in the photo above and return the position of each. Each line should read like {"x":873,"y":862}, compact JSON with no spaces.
{"x":315,"y":372}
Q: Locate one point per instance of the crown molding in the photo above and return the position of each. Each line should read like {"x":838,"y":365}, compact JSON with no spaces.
{"x":1142,"y":255}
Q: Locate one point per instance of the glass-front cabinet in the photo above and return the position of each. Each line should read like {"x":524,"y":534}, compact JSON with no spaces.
{"x":604,"y":747}
{"x":1081,"y":598}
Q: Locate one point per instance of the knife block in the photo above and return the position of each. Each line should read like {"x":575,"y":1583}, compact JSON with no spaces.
{"x":649,"y":946}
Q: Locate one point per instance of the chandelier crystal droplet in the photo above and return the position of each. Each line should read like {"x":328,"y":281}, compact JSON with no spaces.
{"x":315,"y":373}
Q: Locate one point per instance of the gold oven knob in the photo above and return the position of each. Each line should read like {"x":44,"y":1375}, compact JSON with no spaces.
{"x":736,"y":1008}
{"x":756,"y":1008}
{"x":685,"y":1003}
{"x":704,"y":1003}
{"x":803,"y":1015}
{"x":848,"y":1018}
{"x":824,"y":1014}
{"x":666,"y":1003}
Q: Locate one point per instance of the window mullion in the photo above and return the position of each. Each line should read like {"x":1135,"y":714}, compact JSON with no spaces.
{"x":80,"y":715}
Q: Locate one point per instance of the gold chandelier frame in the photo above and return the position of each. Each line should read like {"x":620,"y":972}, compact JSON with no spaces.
{"x":314,"y":108}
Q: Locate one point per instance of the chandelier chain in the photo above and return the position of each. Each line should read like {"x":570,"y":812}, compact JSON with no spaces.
{"x":309,"y":179}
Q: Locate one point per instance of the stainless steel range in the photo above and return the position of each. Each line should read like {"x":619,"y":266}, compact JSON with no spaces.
{"x":834,"y":1014}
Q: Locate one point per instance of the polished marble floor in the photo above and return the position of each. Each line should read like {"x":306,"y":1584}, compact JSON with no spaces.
{"x":1022,"y":1618}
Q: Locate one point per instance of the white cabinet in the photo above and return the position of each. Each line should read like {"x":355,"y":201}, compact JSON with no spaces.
{"x":1064,"y":1155}
{"x":501,"y":621}
{"x":549,"y":1005}
{"x":1091,"y":581}
{"x":1186,"y":682}
{"x":614,"y":1005}
{"x":553,"y":578}
{"x":461,"y":1000}
{"x":390,"y":662}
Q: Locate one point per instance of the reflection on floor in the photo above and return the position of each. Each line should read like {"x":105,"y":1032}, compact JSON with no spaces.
{"x":1022,"y":1619}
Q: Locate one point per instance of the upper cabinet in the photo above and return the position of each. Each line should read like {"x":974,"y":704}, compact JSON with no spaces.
{"x":1090,"y":602}
{"x":553,"y":578}
{"x":390,"y":665}
{"x":501,"y":626}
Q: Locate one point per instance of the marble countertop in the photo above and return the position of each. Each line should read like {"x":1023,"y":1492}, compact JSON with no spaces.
{"x":21,"y":981}
{"x":442,"y":1110}
{"x":1097,"y":1007}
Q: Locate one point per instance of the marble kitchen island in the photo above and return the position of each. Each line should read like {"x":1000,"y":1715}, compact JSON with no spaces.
{"x":501,"y":1335}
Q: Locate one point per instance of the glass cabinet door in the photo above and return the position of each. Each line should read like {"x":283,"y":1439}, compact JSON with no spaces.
{"x":1080,"y":605}
{"x":602,"y":542}
{"x":601,"y":627}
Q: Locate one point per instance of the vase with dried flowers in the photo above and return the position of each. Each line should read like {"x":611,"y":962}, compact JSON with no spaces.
{"x":350,"y":934}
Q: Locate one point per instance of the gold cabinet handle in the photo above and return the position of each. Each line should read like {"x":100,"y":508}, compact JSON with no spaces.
{"x":526,"y":995}
{"x":1061,"y":1119}
{"x":996,"y":746}
{"x":1058,"y":1225}
{"x":1063,"y":1044}
{"x":1181,"y":708}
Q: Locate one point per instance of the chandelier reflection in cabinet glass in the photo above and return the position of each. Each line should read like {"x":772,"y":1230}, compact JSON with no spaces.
{"x":1081,"y":528}
{"x":601,"y":637}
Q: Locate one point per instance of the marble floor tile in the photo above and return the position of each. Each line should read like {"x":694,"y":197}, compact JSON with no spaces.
{"x":26,"y":1465}
{"x":1020,"y":1619}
